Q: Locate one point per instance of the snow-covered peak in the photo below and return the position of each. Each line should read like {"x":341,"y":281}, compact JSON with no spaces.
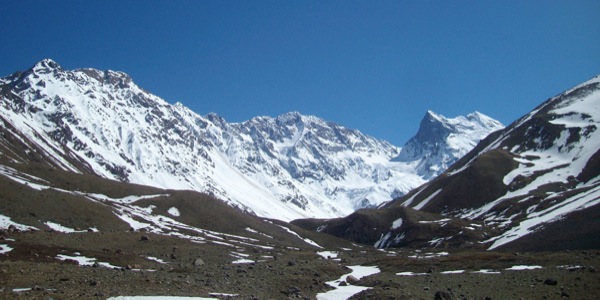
{"x":484,"y":121}
{"x":441,"y":141}
{"x":286,"y":167}
{"x":290,"y":118}
{"x":434,"y":117}
{"x":46,"y":65}
{"x":529,"y":176}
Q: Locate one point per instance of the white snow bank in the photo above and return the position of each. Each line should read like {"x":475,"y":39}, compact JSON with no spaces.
{"x":223,"y":295}
{"x":453,"y":272}
{"x":486,"y":271}
{"x":410,"y":274}
{"x":60,"y":228}
{"x":85,"y":261}
{"x":548,"y":215}
{"x":158,"y":260}
{"x":173,"y":211}
{"x":243,"y":261}
{"x":5,"y":249}
{"x":426,"y":200}
{"x":306,"y":240}
{"x":345,"y":292}
{"x":523,"y":267}
{"x":396,"y":224}
{"x":5,"y":222}
{"x":328,"y":254}
{"x":428,"y":255}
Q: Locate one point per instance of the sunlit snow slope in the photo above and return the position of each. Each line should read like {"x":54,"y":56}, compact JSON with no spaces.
{"x":292,"y":166}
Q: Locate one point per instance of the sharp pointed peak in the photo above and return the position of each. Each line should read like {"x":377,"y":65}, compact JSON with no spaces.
{"x":291,"y":116}
{"x":46,"y":64}
{"x":433,"y":116}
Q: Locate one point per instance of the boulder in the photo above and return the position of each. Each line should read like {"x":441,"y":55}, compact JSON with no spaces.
{"x":351,"y":279}
{"x":199,"y":262}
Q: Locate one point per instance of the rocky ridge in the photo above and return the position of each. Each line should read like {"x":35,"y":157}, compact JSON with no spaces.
{"x":287,"y":167}
{"x":533,"y":185}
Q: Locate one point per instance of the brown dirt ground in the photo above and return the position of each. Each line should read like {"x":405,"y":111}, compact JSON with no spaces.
{"x":280,"y":273}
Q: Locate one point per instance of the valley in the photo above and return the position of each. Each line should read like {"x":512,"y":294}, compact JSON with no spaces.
{"x":167,"y":265}
{"x":107,"y":190}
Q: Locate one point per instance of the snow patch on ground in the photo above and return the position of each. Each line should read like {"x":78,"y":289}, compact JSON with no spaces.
{"x":442,"y":222}
{"x":23,"y":178}
{"x":5,"y":222}
{"x":255,"y":231}
{"x":243,"y":261}
{"x":60,"y":228}
{"x":328,"y":254}
{"x":523,"y":267}
{"x":5,"y":249}
{"x":486,"y":271}
{"x":306,"y":240}
{"x":345,"y":292}
{"x":396,"y":224}
{"x":426,"y":200}
{"x":173,"y":211}
{"x":223,"y":295}
{"x":241,"y":258}
{"x":85,"y":261}
{"x":453,"y":272}
{"x":428,"y":255}
{"x":158,"y":260}
{"x":411,"y":274}
{"x":550,"y":214}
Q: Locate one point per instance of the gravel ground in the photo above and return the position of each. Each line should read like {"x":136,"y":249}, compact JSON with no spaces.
{"x":278,"y":273}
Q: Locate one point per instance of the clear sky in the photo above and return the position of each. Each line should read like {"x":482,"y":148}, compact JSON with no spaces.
{"x":376,"y":66}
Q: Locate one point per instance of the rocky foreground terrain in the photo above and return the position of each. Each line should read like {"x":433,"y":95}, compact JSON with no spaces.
{"x":142,"y":263}
{"x":515,"y":218}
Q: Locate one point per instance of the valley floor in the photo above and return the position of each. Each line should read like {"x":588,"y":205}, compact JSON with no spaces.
{"x":99,"y":265}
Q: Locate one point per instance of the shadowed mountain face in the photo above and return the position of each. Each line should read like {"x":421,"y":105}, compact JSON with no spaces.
{"x":288,"y":167}
{"x":517,"y":188}
{"x":441,"y":141}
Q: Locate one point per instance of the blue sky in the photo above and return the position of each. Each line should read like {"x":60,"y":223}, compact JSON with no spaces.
{"x":376,"y":66}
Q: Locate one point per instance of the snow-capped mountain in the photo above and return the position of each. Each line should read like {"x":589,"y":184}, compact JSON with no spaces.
{"x":533,"y":185}
{"x":288,"y":167}
{"x":441,"y":141}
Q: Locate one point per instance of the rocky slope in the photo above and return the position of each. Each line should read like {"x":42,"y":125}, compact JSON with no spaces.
{"x":530,"y":186}
{"x":66,"y":232}
{"x":71,"y":235}
{"x":288,"y":167}
{"x":68,"y":235}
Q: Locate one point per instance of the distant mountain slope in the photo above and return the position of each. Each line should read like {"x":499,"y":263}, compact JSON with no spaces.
{"x":441,"y":141}
{"x":516,"y":184}
{"x":292,"y":166}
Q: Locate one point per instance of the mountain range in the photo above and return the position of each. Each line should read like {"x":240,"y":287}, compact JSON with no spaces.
{"x":288,"y":167}
{"x":534,"y":185}
{"x":108,"y":190}
{"x":459,"y":182}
